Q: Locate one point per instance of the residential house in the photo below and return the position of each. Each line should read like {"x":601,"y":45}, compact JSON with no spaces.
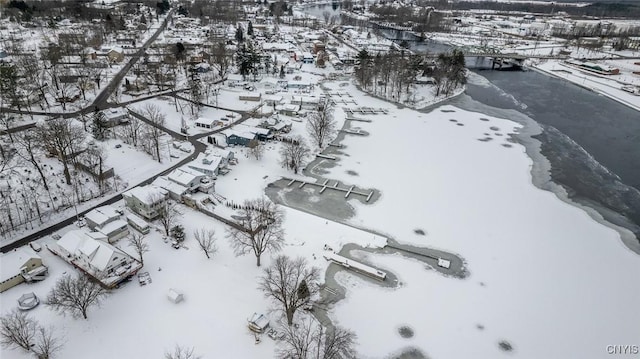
{"x":238,"y":136}
{"x":207,"y":123}
{"x":101,"y":216}
{"x":92,"y":253}
{"x":19,"y":266}
{"x":234,"y":79}
{"x":261,"y":134}
{"x":147,"y":201}
{"x":174,"y":190}
{"x":183,"y":181}
{"x":114,"y":230}
{"x":306,"y":102}
{"x":116,"y":116}
{"x":250,"y":96}
{"x":138,"y":223}
{"x":115,"y":54}
{"x":207,"y":164}
{"x":307,"y":58}
{"x":288,"y":109}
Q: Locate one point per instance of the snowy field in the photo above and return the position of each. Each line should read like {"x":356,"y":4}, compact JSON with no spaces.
{"x":220,"y":294}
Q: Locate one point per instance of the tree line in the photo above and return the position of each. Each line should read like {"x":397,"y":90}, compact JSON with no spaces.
{"x":393,"y":74}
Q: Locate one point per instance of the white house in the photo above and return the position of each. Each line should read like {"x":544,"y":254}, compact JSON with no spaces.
{"x":174,"y":190}
{"x":107,"y":221}
{"x":207,"y":164}
{"x":115,"y":230}
{"x":100,"y":216}
{"x":116,"y":116}
{"x":187,"y":177}
{"x":207,"y":123}
{"x":21,"y":265}
{"x":146,"y":201}
{"x":91,"y":252}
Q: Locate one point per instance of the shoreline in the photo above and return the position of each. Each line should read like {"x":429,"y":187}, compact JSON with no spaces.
{"x":538,"y":69}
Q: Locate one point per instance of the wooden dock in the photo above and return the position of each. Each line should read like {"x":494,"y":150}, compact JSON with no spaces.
{"x":356,"y":266}
{"x":357,"y":119}
{"x":336,"y":187}
{"x":328,"y":157}
{"x":353,"y":132}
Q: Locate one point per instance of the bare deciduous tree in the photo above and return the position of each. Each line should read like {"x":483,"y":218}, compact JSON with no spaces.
{"x":256,"y":149}
{"x":168,"y":213}
{"x":311,"y":341}
{"x":181,"y":353}
{"x":139,"y":244}
{"x":132,"y":131}
{"x":31,"y":146}
{"x":282,"y":280}
{"x":74,"y":295}
{"x":261,"y":228}
{"x":206,"y":240}
{"x":293,"y":154}
{"x":155,"y":115}
{"x":63,"y":138}
{"x":46,"y":343}
{"x":17,"y":330}
{"x":320,"y":124}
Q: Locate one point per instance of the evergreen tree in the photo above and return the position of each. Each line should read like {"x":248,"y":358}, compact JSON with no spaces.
{"x":239,"y":34}
{"x":250,"y":29}
{"x":303,"y":290}
{"x":99,"y":126}
{"x":177,"y":232}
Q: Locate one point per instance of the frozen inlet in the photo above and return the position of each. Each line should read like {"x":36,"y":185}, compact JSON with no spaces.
{"x":357,"y":266}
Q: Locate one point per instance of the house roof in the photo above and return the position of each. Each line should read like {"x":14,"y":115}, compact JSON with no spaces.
{"x":184,"y":176}
{"x":96,"y":252}
{"x":11,"y":262}
{"x":205,"y":162}
{"x":101,"y":215}
{"x":170,"y":186}
{"x":146,"y":194}
{"x":204,"y":121}
{"x":252,"y":129}
{"x":114,"y":226}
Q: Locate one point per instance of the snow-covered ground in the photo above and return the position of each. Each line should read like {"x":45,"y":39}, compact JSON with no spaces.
{"x":220,"y":294}
{"x":541,"y":273}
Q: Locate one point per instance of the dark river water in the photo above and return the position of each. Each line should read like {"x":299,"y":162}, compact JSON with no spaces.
{"x":591,"y":142}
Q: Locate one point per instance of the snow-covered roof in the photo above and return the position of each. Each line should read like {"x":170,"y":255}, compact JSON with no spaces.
{"x":239,"y":133}
{"x":95,"y":252}
{"x":205,"y":163}
{"x":148,"y":194}
{"x":170,"y":186}
{"x":204,"y":121}
{"x":184,"y":176}
{"x":11,"y":262}
{"x":114,"y":226}
{"x":101,"y":215}
{"x":252,"y":129}
{"x":115,"y":113}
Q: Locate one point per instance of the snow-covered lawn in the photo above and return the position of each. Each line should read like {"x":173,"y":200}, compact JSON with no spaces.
{"x":220,"y":294}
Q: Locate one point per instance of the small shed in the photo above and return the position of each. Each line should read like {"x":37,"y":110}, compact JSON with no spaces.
{"x":175,"y":296}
